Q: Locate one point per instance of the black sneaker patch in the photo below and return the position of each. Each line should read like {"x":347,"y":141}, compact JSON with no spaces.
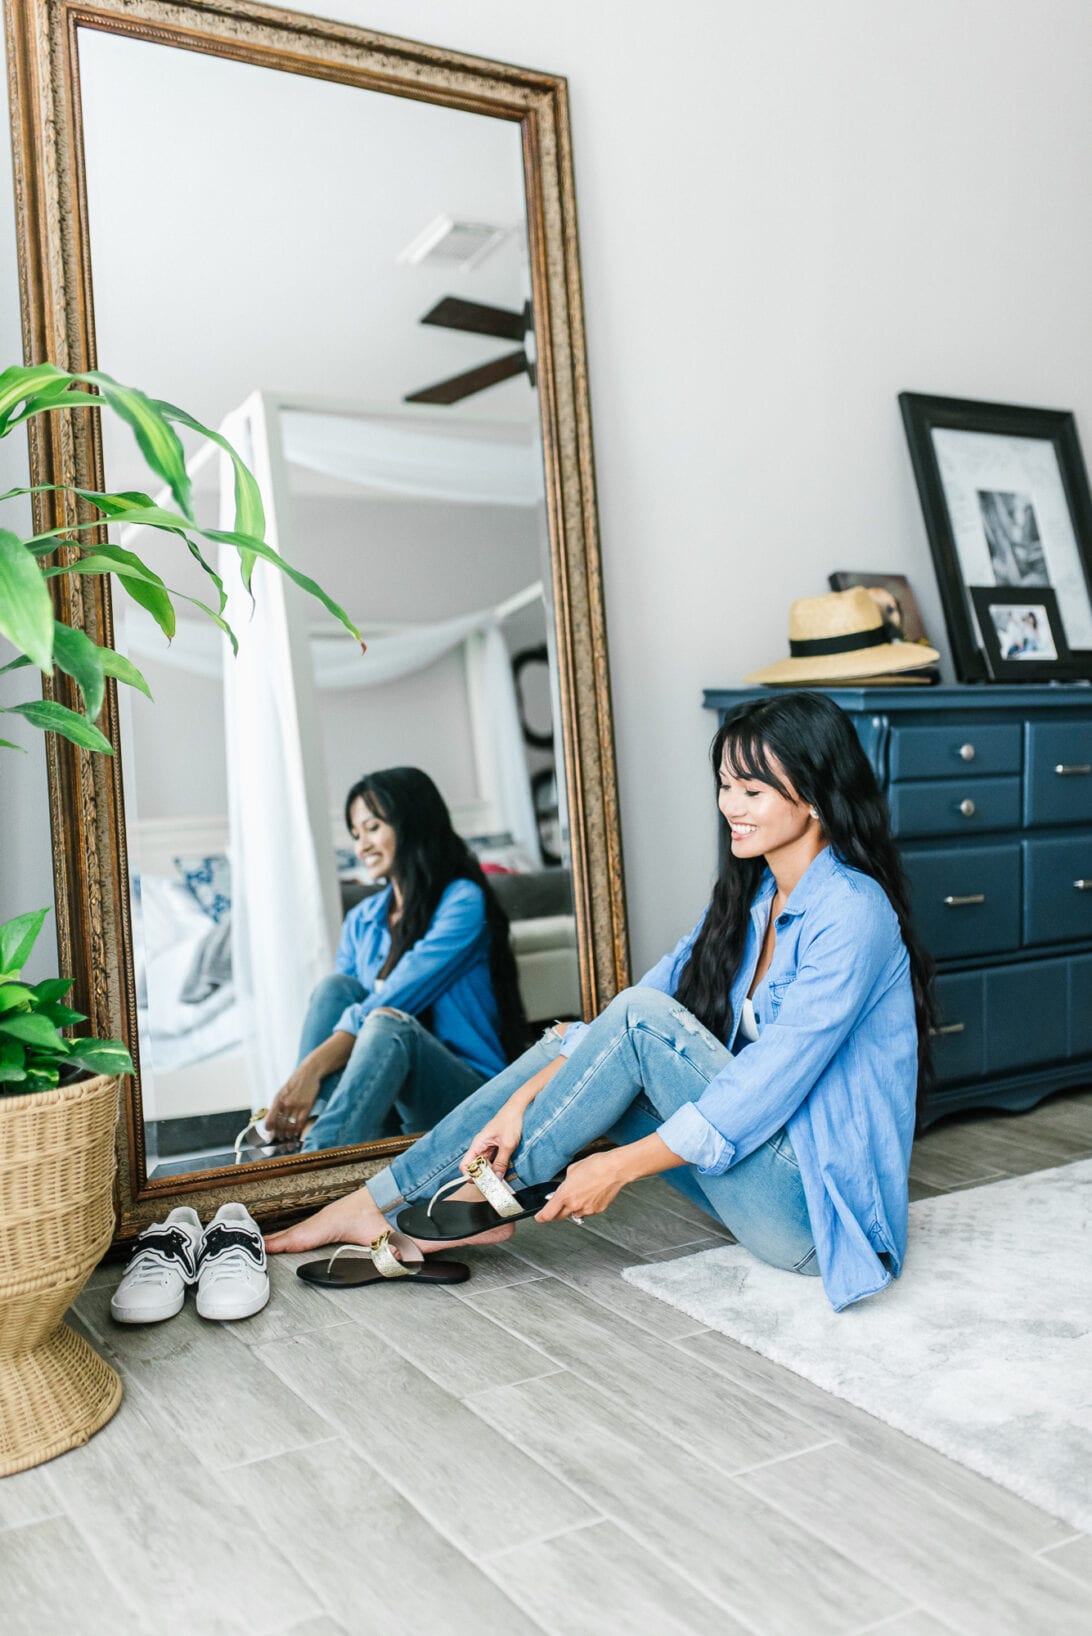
{"x":169,"y":1244}
{"x":221,"y":1237}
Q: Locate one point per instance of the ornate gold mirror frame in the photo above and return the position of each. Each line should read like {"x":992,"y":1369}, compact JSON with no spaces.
{"x":89,"y":843}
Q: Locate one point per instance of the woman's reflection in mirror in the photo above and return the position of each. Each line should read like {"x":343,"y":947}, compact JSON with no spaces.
{"x":424,"y":1005}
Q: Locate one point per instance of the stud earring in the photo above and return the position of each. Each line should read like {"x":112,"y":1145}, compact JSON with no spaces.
{"x":813,"y":812}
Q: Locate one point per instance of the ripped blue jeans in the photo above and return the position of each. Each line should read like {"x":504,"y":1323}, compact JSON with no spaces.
{"x":642,"y":1058}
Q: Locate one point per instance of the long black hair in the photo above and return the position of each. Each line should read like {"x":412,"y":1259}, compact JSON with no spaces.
{"x":429,"y":855}
{"x":822,"y":759}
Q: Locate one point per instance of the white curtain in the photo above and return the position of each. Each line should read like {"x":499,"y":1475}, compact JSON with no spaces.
{"x":463,"y":464}
{"x":279,"y":938}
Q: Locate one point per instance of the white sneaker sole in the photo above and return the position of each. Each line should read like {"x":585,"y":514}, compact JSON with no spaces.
{"x":123,"y":1314}
{"x":227,"y":1311}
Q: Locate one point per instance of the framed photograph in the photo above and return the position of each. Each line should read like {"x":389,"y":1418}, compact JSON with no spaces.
{"x":1005,"y":496}
{"x":1022,"y":632}
{"x":892,"y":595}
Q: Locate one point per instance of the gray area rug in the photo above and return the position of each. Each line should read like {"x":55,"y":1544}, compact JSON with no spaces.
{"x":982,"y":1349}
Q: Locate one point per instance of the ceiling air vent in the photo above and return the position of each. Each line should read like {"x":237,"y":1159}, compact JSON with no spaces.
{"x":449,"y":243}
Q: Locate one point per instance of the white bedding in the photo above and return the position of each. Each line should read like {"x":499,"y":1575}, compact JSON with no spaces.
{"x":169,"y":929}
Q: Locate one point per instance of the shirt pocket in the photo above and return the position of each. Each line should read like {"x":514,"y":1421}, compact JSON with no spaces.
{"x":768,"y":1002}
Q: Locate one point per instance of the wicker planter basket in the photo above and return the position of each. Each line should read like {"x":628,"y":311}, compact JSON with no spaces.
{"x":56,"y":1222}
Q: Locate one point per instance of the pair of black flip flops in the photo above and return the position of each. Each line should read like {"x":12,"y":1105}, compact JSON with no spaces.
{"x":458,"y":1218}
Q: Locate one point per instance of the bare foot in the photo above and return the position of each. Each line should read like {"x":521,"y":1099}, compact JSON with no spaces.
{"x":356,"y":1219}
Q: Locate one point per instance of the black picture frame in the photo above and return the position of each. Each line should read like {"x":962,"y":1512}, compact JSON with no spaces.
{"x":1018,"y":649}
{"x":1028,"y":526}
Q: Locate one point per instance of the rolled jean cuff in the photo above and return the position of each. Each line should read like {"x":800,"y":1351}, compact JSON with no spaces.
{"x":385,"y":1191}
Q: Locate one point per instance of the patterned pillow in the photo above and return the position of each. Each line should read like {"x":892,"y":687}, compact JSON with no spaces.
{"x":209,"y":882}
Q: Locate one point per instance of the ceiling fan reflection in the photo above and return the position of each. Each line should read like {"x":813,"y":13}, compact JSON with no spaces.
{"x":477,"y":319}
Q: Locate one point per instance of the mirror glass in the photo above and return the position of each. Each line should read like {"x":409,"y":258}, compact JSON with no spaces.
{"x":266,"y":263}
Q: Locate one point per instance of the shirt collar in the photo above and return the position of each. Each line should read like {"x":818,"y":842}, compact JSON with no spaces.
{"x":812,"y":882}
{"x":377,"y":904}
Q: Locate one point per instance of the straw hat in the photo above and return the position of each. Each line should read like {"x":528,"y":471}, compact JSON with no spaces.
{"x":841,"y":637}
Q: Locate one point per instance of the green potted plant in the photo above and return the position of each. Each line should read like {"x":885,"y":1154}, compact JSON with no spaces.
{"x":59,"y":1094}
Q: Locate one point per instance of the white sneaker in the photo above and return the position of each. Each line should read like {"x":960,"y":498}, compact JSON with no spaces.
{"x":231,"y":1279}
{"x":161,"y":1267}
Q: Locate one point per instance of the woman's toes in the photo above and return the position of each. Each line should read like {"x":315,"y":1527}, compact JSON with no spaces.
{"x":351,"y":1220}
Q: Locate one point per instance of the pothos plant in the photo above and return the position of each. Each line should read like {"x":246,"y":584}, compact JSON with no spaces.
{"x":34,"y":1055}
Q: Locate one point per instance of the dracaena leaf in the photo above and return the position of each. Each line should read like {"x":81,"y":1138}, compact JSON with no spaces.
{"x":26,"y":610}
{"x":80,"y":658}
{"x":24,"y":381}
{"x":123,"y":670}
{"x":158,"y":441}
{"x":57,"y":718}
{"x":17,"y":938}
{"x":245,"y":542}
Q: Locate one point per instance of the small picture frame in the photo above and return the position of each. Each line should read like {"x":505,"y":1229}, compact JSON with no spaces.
{"x":1022,"y":633}
{"x":1006,"y":501}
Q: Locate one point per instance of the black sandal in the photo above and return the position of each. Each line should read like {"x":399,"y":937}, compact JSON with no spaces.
{"x":391,"y":1255}
{"x":465,"y":1218}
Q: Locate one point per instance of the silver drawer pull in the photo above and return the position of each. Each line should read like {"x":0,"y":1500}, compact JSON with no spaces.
{"x":967,"y":808}
{"x":1077,"y":769}
{"x":966,"y":752}
{"x":949,"y":1028}
{"x":1083,"y":885}
{"x":961,"y":902}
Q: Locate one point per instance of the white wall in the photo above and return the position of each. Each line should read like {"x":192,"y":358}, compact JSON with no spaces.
{"x":789,"y":213}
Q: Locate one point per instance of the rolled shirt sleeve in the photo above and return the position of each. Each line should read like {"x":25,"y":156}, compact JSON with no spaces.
{"x":449,"y":947}
{"x":846,"y":964}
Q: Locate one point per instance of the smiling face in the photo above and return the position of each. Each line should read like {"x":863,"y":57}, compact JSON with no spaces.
{"x":763,"y":822}
{"x":374,"y":841}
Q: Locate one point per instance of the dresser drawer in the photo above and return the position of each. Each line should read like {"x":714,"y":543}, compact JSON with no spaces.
{"x":955,"y":806}
{"x":1059,"y":772}
{"x":1027,"y":1014}
{"x":959,"y":1036}
{"x":1080,"y":1005}
{"x":959,"y":747}
{"x":1058,"y":888}
{"x":965,"y":900}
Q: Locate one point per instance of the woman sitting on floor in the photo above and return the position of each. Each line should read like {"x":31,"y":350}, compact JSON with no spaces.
{"x":768,"y":1067}
{"x":425,"y":1003}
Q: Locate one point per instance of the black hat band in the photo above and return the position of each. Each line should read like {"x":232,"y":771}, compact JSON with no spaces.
{"x":878,"y":638}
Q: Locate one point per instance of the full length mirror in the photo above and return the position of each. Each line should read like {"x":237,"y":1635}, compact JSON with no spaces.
{"x":349,"y":887}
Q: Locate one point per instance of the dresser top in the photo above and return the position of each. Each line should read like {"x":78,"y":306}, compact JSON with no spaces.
{"x":1029,"y":696}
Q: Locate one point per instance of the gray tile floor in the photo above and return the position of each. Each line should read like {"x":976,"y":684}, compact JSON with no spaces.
{"x":544,"y":1448}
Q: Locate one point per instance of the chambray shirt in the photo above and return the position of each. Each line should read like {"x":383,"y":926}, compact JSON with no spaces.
{"x":835,"y":1062}
{"x":445,"y":973}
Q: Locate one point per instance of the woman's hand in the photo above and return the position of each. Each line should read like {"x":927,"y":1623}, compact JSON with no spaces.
{"x":499,"y":1139}
{"x":590,"y":1186}
{"x":292,"y":1103}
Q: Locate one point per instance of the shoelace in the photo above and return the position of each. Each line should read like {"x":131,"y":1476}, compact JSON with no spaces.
{"x":150,"y":1267}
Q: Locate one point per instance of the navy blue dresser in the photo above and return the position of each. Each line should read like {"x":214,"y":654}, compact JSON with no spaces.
{"x":990,"y":791}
